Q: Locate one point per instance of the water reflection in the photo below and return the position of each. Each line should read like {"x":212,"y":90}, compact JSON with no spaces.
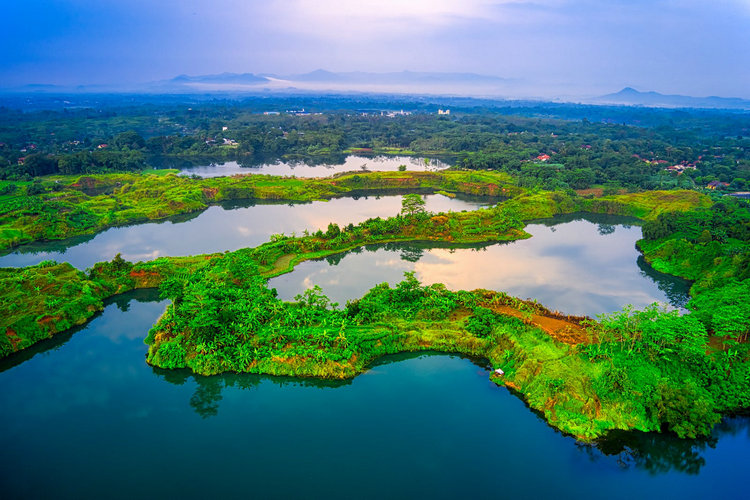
{"x":660,"y":454}
{"x":207,"y":396}
{"x":654,"y":453}
{"x":676,"y":289}
{"x":93,"y":404}
{"x":306,"y":168}
{"x":224,"y":227}
{"x":578,"y":264}
{"x":105,"y":325}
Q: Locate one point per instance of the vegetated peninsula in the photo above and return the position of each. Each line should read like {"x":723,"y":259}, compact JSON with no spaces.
{"x":79,"y":171}
{"x":646,"y":370}
{"x":63,"y":206}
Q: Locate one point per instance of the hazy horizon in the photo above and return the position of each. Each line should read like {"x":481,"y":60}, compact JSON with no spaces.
{"x":545,"y":48}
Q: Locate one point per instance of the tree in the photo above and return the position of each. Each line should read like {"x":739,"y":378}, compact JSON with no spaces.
{"x":129,"y":139}
{"x":333,"y":231}
{"x":412,"y":204}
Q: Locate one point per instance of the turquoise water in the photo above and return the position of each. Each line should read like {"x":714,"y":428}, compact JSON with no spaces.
{"x":84,"y":417}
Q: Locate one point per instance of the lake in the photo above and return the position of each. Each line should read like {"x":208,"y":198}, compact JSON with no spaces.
{"x":229,"y":226}
{"x":351,"y":163}
{"x":84,"y":416}
{"x":582,"y":264}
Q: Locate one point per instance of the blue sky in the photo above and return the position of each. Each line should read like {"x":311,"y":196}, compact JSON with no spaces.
{"x":549,"y":47}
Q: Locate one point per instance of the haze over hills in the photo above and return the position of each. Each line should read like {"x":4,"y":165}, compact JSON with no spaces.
{"x":406,"y":82}
{"x":354,"y":81}
{"x":630,"y":96}
{"x":402,"y":82}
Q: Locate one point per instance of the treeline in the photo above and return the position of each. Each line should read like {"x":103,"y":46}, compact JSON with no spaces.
{"x":710,"y":246}
{"x":544,"y":152}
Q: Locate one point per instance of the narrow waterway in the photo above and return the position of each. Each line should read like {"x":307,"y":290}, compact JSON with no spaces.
{"x":229,"y":226}
{"x":579,"y":264}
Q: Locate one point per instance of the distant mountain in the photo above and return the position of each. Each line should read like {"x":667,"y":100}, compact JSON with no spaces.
{"x":322,"y":80}
{"x":407,"y":82}
{"x":632,"y":97}
{"x":243,"y":78}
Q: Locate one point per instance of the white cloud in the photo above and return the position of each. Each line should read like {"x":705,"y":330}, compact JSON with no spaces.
{"x":383,"y":18}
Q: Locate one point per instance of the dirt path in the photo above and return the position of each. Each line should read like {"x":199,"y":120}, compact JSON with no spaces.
{"x":559,"y":329}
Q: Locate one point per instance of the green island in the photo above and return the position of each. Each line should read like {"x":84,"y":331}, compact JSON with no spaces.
{"x":650,"y":370}
{"x":61,"y":206}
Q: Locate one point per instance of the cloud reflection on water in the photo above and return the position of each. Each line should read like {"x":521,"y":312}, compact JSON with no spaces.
{"x":571,"y":267}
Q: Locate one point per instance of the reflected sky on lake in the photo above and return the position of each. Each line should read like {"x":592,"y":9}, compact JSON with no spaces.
{"x":575,"y":267}
{"x":221,"y":228}
{"x":352,"y":163}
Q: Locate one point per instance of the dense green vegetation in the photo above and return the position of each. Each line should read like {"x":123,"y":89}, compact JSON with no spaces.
{"x":40,"y":301}
{"x":546,"y":145}
{"x":46,"y":285}
{"x":711,"y":247}
{"x":74,"y":172}
{"x":647,"y":370}
{"x":63,"y":206}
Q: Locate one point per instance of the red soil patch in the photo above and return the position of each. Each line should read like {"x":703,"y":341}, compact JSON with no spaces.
{"x":13,"y":338}
{"x":142,"y":274}
{"x":46,"y":320}
{"x":210,"y":193}
{"x":562,"y":330}
{"x":510,"y":384}
{"x":597,"y":192}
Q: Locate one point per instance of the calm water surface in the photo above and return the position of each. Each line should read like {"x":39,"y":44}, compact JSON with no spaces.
{"x":579,"y":264}
{"x":220,"y":228}
{"x":300,"y":169}
{"x":84,"y":417}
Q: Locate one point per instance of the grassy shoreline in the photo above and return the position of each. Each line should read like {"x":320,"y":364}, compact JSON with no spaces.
{"x":68,"y":206}
{"x":78,"y":205}
{"x":84,"y":295}
{"x":630,"y":370}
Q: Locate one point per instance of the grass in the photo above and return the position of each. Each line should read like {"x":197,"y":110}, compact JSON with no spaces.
{"x":88,"y":204}
{"x":160,"y":171}
{"x":561,"y":376}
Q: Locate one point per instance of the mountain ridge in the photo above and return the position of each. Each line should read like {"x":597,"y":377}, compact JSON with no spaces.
{"x":633,"y":97}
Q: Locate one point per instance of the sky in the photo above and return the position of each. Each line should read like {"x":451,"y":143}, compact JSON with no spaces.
{"x":545,"y":47}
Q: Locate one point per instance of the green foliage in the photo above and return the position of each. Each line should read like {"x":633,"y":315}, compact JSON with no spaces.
{"x":481,"y":323}
{"x":39,"y":301}
{"x":685,"y":409}
{"x":412,"y":204}
{"x":651,"y":370}
{"x":725,"y":310}
{"x":91,"y":203}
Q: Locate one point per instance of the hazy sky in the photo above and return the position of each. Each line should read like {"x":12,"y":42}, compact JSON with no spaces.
{"x":566,"y":46}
